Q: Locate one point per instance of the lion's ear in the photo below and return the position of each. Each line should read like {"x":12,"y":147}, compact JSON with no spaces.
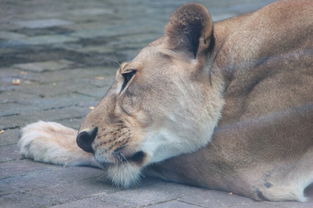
{"x":190,"y":29}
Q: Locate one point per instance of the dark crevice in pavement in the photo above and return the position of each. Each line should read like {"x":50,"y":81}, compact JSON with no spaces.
{"x":95,"y":41}
{"x":63,"y":107}
{"x":11,"y":127}
{"x":8,"y":144}
{"x":186,"y":202}
{"x":12,"y":101}
{"x":9,"y":115}
{"x":45,"y":96}
{"x":84,"y":94}
{"x":10,"y":160}
{"x":44,"y":31}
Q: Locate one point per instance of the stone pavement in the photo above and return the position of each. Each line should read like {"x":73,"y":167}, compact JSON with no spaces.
{"x":57,"y":58}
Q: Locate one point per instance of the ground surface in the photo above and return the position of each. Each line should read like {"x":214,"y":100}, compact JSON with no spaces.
{"x":57,"y":58}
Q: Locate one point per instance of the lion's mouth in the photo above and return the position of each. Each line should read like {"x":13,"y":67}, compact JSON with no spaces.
{"x":137,"y":157}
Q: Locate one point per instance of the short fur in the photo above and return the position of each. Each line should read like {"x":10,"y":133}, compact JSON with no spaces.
{"x":227,"y":106}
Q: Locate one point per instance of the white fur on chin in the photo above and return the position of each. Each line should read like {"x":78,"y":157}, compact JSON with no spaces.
{"x":124,"y":175}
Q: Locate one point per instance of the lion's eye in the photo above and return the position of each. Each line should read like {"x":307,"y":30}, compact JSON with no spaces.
{"x":127,"y":76}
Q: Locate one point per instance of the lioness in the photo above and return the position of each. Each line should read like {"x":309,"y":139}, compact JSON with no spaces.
{"x":237,"y":95}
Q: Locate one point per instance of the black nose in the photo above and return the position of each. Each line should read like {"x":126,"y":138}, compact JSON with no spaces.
{"x":85,"y":139}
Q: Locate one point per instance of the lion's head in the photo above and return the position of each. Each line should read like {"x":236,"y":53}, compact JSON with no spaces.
{"x":163,"y":103}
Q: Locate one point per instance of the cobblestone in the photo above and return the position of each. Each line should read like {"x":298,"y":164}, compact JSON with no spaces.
{"x":42,"y":23}
{"x":46,"y":40}
{"x":147,"y":194}
{"x":64,"y":54}
{"x":9,"y":137}
{"x":11,"y":35}
{"x":45,"y":66}
{"x":8,"y":153}
{"x":96,"y":203}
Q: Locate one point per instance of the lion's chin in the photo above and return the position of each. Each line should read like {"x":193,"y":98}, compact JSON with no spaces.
{"x":124,"y":175}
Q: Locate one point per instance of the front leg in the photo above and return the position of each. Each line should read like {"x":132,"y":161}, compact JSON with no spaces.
{"x":54,"y":143}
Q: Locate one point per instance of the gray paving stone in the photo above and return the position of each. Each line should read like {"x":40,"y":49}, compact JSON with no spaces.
{"x":107,"y":199}
{"x":98,"y":49}
{"x":45,"y":40}
{"x":6,"y":50}
{"x":5,"y":190}
{"x":42,"y":23}
{"x":45,"y":66}
{"x":8,"y":26}
{"x":89,"y":202}
{"x":9,"y":137}
{"x":111,"y":31}
{"x":94,"y":92}
{"x":93,"y":25}
{"x":212,"y":199}
{"x":92,"y":11}
{"x":5,"y":109}
{"x":208,"y":198}
{"x":92,"y":33}
{"x":308,"y":204}
{"x":25,"y":199}
{"x":8,"y":153}
{"x":32,"y":32}
{"x":62,"y":102}
{"x":19,"y":167}
{"x":8,"y":73}
{"x":53,"y":176}
{"x":16,"y":103}
{"x":13,"y":96}
{"x":72,"y":123}
{"x":147,"y":194}
{"x":56,"y":88}
{"x":18,"y":121}
{"x":76,"y":190}
{"x":11,"y":35}
{"x":92,"y":73}
{"x":10,"y":109}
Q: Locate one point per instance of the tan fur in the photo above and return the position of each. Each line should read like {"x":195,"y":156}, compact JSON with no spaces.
{"x":255,"y":72}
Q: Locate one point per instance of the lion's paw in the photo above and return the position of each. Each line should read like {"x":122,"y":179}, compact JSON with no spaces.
{"x":48,"y":142}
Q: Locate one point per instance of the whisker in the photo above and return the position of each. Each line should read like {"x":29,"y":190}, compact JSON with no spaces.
{"x":125,"y":159}
{"x":117,"y":62}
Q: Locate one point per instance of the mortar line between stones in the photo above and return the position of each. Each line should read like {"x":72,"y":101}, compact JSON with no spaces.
{"x":156,"y":203}
{"x":180,"y":200}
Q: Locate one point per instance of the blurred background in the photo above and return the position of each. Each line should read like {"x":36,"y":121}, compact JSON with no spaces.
{"x":91,"y":32}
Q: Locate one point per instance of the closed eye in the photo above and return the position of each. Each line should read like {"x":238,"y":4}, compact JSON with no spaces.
{"x":127,"y":77}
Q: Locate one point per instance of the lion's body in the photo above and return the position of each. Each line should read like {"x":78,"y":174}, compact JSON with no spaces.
{"x":264,"y":142}
{"x":261,"y":83}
